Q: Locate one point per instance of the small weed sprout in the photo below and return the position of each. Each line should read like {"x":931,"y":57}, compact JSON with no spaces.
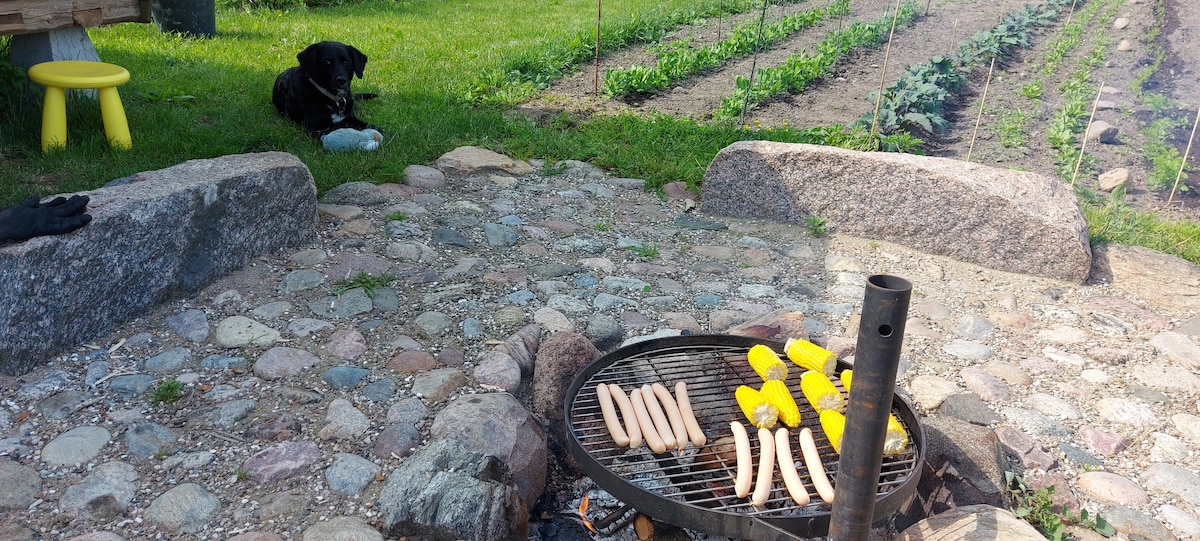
{"x":241,"y":474}
{"x":1037,"y":508}
{"x":366,"y":281}
{"x":815,"y":225}
{"x":167,"y":392}
{"x":601,"y":226}
{"x":397,"y":217}
{"x":649,"y":252}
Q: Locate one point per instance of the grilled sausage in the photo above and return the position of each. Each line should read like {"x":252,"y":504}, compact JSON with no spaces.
{"x":766,"y":468}
{"x":689,"y":417}
{"x":610,"y":416}
{"x":661,"y":424}
{"x":745,"y":462}
{"x":627,"y":415}
{"x":653,"y":441}
{"x":787,"y":468}
{"x":672,"y":410}
{"x":816,"y":469}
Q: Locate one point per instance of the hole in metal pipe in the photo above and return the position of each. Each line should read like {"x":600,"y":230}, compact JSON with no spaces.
{"x":885,"y":330}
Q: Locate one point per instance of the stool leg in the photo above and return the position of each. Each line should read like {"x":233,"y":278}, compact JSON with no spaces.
{"x":54,"y":119}
{"x":116,"y":127}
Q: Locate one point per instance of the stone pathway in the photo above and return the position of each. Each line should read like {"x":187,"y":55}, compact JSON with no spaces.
{"x":307,"y":405}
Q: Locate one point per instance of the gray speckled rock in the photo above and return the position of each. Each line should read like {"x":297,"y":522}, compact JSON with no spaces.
{"x":104,"y":494}
{"x":187,"y":508}
{"x":172,"y":233}
{"x":76,"y":446}
{"x":1016,"y":221}
{"x":20,"y":484}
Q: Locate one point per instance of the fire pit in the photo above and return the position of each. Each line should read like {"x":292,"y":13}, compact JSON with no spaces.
{"x":693,"y":488}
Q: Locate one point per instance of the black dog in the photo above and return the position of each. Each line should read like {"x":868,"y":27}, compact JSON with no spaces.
{"x":317,"y":92}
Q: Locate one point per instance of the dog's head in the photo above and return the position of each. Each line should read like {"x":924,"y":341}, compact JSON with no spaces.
{"x":332,"y":65}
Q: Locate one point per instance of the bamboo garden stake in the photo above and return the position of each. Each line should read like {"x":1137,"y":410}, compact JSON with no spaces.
{"x":982,"y":100}
{"x":1070,"y":14}
{"x":596,"y":75}
{"x":1183,"y":163}
{"x":1087,"y":133}
{"x":754,"y":63}
{"x":883,"y":72}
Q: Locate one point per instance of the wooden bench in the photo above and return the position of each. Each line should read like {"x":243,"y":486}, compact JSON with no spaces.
{"x":46,"y":30}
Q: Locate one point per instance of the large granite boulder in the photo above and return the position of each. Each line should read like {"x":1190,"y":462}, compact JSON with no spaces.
{"x":496,"y":424}
{"x":445,"y":491}
{"x":1160,"y":278}
{"x":165,"y":234}
{"x":998,"y":218}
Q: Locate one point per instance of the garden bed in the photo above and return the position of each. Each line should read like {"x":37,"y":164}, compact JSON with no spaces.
{"x":1028,"y":86}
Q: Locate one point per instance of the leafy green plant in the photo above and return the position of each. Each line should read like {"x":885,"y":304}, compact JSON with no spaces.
{"x":601,"y":226}
{"x":397,"y":217}
{"x":366,"y":281}
{"x":1033,"y":89}
{"x":1037,"y":508}
{"x":241,"y":474}
{"x":167,"y":392}
{"x":1164,"y":158}
{"x":815,"y":225}
{"x":677,"y":62}
{"x":802,"y":68}
{"x":1011,"y":126}
{"x":648,"y":251}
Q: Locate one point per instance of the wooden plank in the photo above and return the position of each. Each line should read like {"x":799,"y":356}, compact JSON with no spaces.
{"x":26,"y":16}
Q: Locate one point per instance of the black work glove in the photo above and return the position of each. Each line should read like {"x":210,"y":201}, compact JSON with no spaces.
{"x":30,"y":218}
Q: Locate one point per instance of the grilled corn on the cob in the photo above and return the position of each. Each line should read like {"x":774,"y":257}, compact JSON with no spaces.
{"x":810,"y":356}
{"x":820,"y":392}
{"x":767,"y":363}
{"x":834,"y":424}
{"x":757,"y":408}
{"x":897,"y":439}
{"x":846,"y":376}
{"x":776,"y":392}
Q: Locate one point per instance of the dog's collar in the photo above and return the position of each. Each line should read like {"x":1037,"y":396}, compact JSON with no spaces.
{"x":339,"y":100}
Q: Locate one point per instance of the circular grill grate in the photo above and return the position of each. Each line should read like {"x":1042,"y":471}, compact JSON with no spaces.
{"x":694,"y":487}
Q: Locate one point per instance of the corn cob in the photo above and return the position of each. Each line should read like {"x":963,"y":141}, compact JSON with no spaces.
{"x":820,"y":392}
{"x":758,"y":410}
{"x":810,"y":356}
{"x":834,"y":424}
{"x":897,"y":439}
{"x":767,"y":363}
{"x":846,"y":376}
{"x":776,"y":392}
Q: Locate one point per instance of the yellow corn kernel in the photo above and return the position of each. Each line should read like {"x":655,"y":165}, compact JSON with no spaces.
{"x":810,"y":356}
{"x":897,"y":439}
{"x":846,"y":376}
{"x":820,"y":392}
{"x":834,"y":424}
{"x":767,"y":363}
{"x":758,"y":410}
{"x":776,"y":392}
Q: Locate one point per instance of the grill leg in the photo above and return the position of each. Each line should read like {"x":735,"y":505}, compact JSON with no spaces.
{"x":876,"y":361}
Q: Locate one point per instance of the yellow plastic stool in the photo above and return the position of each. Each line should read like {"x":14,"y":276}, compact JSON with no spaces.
{"x":103,"y":77}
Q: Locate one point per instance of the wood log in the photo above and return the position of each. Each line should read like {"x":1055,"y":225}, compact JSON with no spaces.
{"x":28,"y":16}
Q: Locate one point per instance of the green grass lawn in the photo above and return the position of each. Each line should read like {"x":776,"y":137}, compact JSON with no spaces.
{"x":446,"y":72}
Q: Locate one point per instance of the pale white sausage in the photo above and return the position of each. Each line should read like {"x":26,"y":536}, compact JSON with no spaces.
{"x":627,"y":415}
{"x":766,"y":468}
{"x":787,"y":468}
{"x":745,"y":462}
{"x":672,"y":410}
{"x":661,"y":424}
{"x":816,"y":470}
{"x":610,"y":416}
{"x":653,"y":441}
{"x":689,"y":417}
